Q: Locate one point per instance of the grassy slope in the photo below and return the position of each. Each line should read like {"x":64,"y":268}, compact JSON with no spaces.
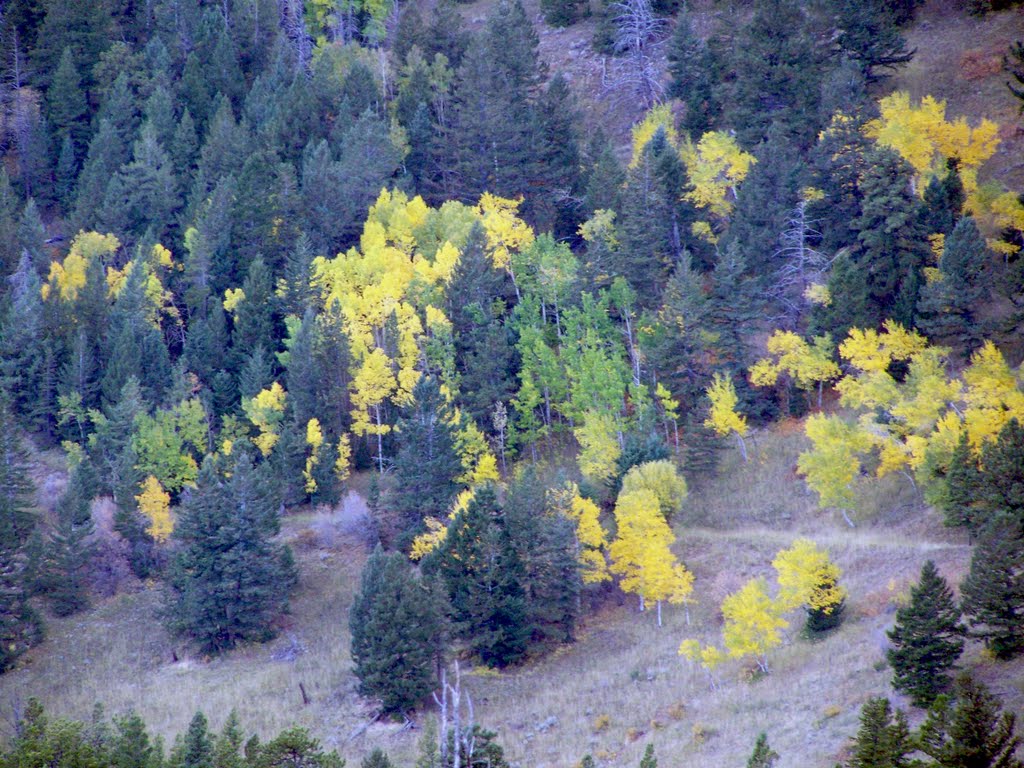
{"x":623,"y":666}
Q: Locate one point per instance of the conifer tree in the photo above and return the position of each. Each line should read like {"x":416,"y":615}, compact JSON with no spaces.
{"x":883,"y":740}
{"x":969,"y":730}
{"x":20,"y":627}
{"x":229,"y":580}
{"x":426,"y":465}
{"x":926,"y":639}
{"x":691,"y":66}
{"x":67,"y":108}
{"x":763,"y":756}
{"x":870,"y":36}
{"x":1002,"y":491}
{"x":992,"y":595}
{"x":396,"y":628}
{"x":649,"y":760}
{"x":69,"y":550}
{"x":484,"y":577}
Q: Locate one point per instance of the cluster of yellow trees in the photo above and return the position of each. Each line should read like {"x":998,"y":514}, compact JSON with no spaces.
{"x":754,"y":619}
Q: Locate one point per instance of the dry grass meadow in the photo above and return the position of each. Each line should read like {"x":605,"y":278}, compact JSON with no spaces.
{"x":619,"y":687}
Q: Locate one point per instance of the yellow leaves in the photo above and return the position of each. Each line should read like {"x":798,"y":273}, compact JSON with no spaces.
{"x":506,"y":232}
{"x":833,"y":464}
{"x":659,"y":118}
{"x":819,"y":294}
{"x":314,"y":439}
{"x":870,"y":351}
{"x":343,"y":464}
{"x":155,"y":504}
{"x":723,"y":417}
{"x":641,"y":552}
{"x":668,"y":403}
{"x":807,"y":364}
{"x":68,"y":278}
{"x":807,"y":577}
{"x":924,"y":138}
{"x":599,"y":446}
{"x":425,"y":543}
{"x":708,"y":656}
{"x":752,"y":621}
{"x":232,"y":298}
{"x":266,"y":411}
{"x":600,"y":228}
{"x":373,"y":383}
{"x":662,"y":478}
{"x":992,"y":395}
{"x":590,"y":535}
{"x":715,"y":166}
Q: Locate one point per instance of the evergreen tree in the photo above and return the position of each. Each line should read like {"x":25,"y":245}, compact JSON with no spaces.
{"x":649,"y":760}
{"x":883,"y":740}
{"x":69,"y":549}
{"x":557,"y":208}
{"x":1002,"y":491}
{"x":484,"y":577}
{"x":992,"y":595}
{"x":195,"y":748}
{"x":20,"y":627}
{"x":22,"y":346}
{"x":692,"y":67}
{"x":229,"y":580}
{"x":67,"y":109}
{"x":107,"y":152}
{"x":763,"y":756}
{"x":963,"y":484}
{"x":426,"y":465}
{"x":564,"y":13}
{"x":944,"y":200}
{"x":969,"y":730}
{"x":146,"y":196}
{"x":926,"y":639}
{"x":947,"y":305}
{"x":395,"y":627}
{"x":869,"y":35}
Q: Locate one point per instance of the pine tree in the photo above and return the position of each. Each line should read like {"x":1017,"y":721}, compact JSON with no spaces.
{"x":763,"y":756}
{"x":20,"y":627}
{"x":426,"y":465}
{"x":1002,"y":491}
{"x":395,"y":627}
{"x":883,"y":740}
{"x":969,"y":730}
{"x":691,"y":66}
{"x":649,"y":760}
{"x":484,"y":578}
{"x":69,"y":549}
{"x":229,"y":580}
{"x":926,"y":639}
{"x":948,"y":304}
{"x":195,"y":748}
{"x":870,"y":36}
{"x":67,"y":108}
{"x":992,"y":595}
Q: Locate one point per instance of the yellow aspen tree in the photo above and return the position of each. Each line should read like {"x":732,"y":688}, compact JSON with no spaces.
{"x":372,"y":385}
{"x":641,"y":553}
{"x":925,"y":139}
{"x":753,"y":623}
{"x":808,"y":365}
{"x":709,"y":657}
{"x":807,"y":577}
{"x":723,"y":417}
{"x":155,"y":504}
{"x":670,"y":409}
{"x":599,"y":446}
{"x":662,"y":478}
{"x":437,"y":530}
{"x":266,"y":412}
{"x":315,"y":440}
{"x":591,"y":538}
{"x":343,"y":464}
{"x":658,"y":118}
{"x":715,"y":166}
{"x":68,"y":277}
{"x":835,"y":460}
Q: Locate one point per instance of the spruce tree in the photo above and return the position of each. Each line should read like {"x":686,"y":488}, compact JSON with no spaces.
{"x":992,"y":595}
{"x":1002,"y":491}
{"x":969,"y":730}
{"x":396,"y":627}
{"x":426,"y":465}
{"x":883,"y":740}
{"x":66,"y":105}
{"x":763,"y":756}
{"x":691,"y":66}
{"x":20,"y":627}
{"x":484,"y":577}
{"x":229,"y":580}
{"x":927,"y":639}
{"x":962,"y":491}
{"x":948,"y":305}
{"x":870,"y":36}
{"x":649,"y":760}
{"x":69,"y":548}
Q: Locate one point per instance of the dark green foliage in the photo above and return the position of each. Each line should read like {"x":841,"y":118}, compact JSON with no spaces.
{"x":484,"y":577}
{"x":396,"y":630}
{"x":563,"y":13}
{"x":1003,"y":476}
{"x":229,"y":581}
{"x":426,"y":464}
{"x":20,"y":627}
{"x":1013,"y":62}
{"x":649,"y":760}
{"x":964,"y":481}
{"x":992,"y":595}
{"x":558,"y":210}
{"x":69,"y":549}
{"x":378,"y":758}
{"x":763,"y":755}
{"x":969,"y":730}
{"x":943,"y":202}
{"x":870,"y":36}
{"x":927,"y":639}
{"x":22,"y":345}
{"x":605,"y":175}
{"x":195,"y":748}
{"x":883,"y":740}
{"x":66,"y":105}
{"x":777,"y":68}
{"x":293,"y":748}
{"x":692,"y":67}
{"x":947,"y":306}
{"x":819,"y":620}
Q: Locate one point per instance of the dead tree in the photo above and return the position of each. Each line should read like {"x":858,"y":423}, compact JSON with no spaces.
{"x":801,"y":265}
{"x":456,"y":741}
{"x":636,"y":37}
